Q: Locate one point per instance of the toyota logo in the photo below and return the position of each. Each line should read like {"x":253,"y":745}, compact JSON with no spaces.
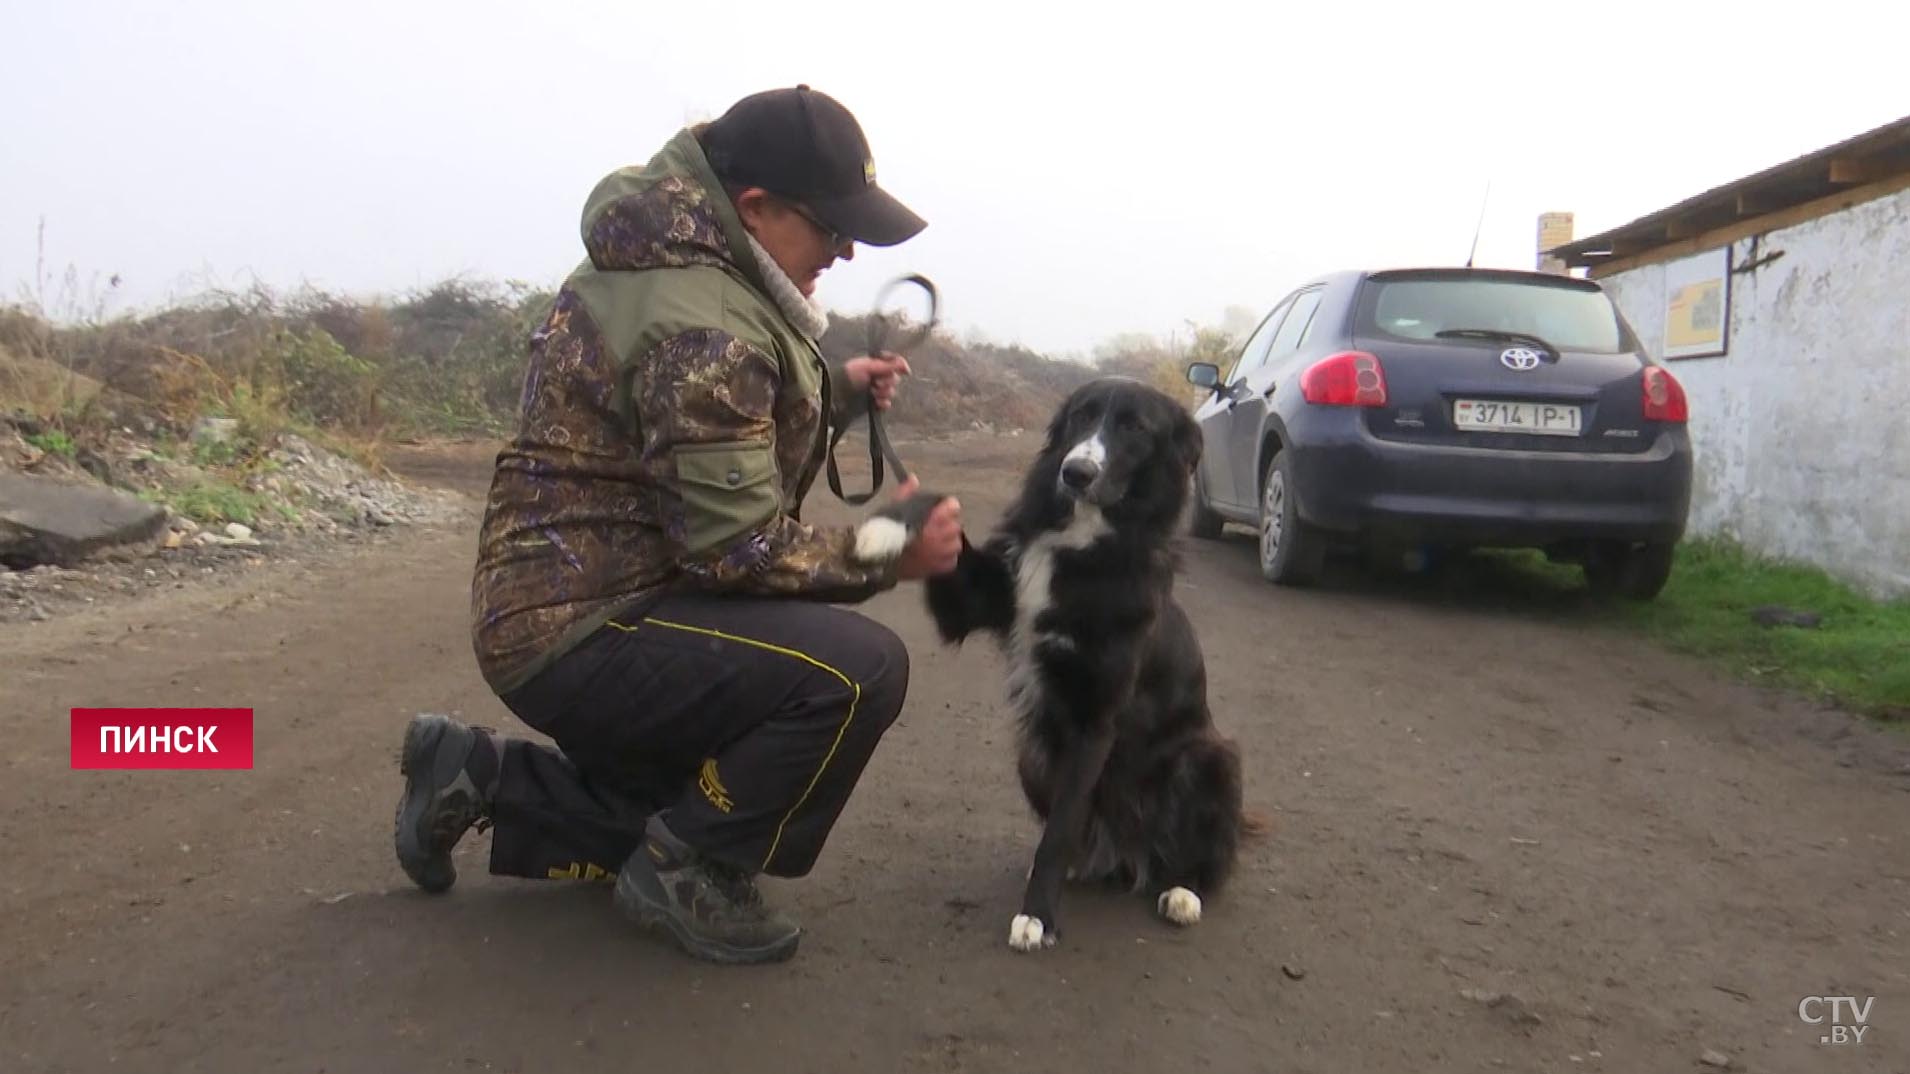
{"x":1520,"y":358}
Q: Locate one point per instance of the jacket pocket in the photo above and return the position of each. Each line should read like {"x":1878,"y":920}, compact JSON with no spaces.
{"x":728,"y":489}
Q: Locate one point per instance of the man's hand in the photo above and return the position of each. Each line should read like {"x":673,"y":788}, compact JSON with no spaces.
{"x":880,"y":373}
{"x":939,"y":544}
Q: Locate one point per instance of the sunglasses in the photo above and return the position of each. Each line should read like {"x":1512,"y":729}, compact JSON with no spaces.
{"x":836,"y":238}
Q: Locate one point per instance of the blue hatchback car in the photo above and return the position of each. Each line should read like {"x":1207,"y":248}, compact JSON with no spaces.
{"x":1448,"y":408}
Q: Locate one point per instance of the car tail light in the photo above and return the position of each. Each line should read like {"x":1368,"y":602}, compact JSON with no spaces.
{"x":1664,"y":396}
{"x":1350,"y":378}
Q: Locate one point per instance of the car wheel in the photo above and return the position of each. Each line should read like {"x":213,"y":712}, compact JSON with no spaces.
{"x":1291,"y":551}
{"x":1204,"y":524}
{"x":1637,"y":572}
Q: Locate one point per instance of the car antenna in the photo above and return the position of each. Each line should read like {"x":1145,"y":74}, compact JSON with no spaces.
{"x":1481,"y":224}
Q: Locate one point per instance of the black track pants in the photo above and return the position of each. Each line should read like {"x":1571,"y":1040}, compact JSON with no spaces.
{"x":746,"y":722}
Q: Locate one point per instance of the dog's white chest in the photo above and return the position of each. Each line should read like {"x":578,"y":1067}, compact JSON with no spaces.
{"x":1034,"y":594}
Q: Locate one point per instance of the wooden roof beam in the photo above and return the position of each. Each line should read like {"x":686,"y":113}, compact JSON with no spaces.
{"x":1846,"y":171}
{"x":1628,"y":245}
{"x":1631,"y":252}
{"x":1684,"y":227}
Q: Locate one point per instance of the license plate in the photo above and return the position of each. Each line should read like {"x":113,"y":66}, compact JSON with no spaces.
{"x":1545,"y":419}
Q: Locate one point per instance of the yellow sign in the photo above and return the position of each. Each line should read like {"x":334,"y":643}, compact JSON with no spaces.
{"x":1698,"y":305}
{"x":1694,"y":316}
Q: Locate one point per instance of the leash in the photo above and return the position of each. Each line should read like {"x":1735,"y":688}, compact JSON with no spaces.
{"x":880,"y":447}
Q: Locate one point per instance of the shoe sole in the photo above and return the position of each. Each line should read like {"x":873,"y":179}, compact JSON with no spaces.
{"x":636,"y":906}
{"x":422,"y":737}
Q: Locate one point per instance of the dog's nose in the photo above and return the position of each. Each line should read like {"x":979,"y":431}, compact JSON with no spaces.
{"x":1078,"y":474}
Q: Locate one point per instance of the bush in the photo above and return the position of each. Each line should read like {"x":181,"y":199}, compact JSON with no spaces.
{"x":322,"y":382}
{"x":446,"y":360}
{"x":953,"y":385}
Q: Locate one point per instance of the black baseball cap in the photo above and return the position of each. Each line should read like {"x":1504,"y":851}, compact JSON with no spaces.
{"x":805,"y":146}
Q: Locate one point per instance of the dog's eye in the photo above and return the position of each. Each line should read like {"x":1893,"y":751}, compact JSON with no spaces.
{"x":1127,"y":423}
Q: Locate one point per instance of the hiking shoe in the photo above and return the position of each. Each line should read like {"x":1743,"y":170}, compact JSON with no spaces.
{"x":712,"y":910}
{"x":450,"y":775}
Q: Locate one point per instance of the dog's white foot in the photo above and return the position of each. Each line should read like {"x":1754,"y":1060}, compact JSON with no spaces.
{"x":880,"y":539}
{"x":1179,"y":905}
{"x":1027,"y":934}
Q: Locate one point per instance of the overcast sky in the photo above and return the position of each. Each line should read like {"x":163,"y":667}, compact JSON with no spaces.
{"x":1085,"y":170}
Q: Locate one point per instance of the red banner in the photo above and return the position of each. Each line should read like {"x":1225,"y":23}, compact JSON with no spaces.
{"x":162,"y":738}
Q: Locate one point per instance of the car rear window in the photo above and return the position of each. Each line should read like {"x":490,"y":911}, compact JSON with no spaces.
{"x":1418,"y":308}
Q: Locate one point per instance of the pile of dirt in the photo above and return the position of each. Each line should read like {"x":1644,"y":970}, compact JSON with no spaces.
{"x":961,"y":387}
{"x":336,"y":491}
{"x":289,"y":497}
{"x":42,"y":387}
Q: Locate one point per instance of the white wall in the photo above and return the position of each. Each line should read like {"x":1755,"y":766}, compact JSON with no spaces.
{"x":1802,"y":431}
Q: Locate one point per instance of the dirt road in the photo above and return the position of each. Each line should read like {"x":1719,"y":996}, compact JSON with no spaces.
{"x":1647,"y":861}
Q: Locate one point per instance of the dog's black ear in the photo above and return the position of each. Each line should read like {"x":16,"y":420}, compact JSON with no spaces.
{"x":1058,"y":425}
{"x":1189,"y":442}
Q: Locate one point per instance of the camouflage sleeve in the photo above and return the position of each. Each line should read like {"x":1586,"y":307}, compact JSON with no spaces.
{"x":706,"y":409}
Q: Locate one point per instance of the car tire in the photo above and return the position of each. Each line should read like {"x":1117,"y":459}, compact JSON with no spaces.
{"x":1291,"y":552}
{"x":1204,"y":523}
{"x":1635,"y":572}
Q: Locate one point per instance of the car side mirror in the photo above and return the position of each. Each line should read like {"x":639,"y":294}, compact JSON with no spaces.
{"x":1204,"y":375}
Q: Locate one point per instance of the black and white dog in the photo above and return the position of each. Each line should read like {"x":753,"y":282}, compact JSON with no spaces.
{"x":1119,"y":756}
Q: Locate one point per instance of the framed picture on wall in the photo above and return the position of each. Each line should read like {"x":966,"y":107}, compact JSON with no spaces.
{"x":1698,"y":305}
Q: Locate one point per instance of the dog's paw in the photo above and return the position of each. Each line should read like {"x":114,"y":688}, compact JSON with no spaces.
{"x":880,"y":539}
{"x":1179,"y":905}
{"x":1027,"y":933}
{"x":889,"y":529}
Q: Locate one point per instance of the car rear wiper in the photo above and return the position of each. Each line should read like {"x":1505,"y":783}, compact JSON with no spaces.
{"x":1494,"y":333}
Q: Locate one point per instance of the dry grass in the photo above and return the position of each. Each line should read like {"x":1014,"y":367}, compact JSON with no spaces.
{"x":955,"y":385}
{"x":447,"y":360}
{"x":345,"y":373}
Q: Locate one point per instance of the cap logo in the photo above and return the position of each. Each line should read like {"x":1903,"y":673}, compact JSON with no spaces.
{"x":868,"y":171}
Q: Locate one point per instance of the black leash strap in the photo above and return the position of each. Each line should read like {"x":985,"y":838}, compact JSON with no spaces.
{"x":880,"y":448}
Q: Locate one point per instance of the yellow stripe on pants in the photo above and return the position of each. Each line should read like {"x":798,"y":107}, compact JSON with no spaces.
{"x":855,"y":689}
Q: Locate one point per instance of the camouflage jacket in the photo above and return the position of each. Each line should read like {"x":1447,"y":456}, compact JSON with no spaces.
{"x":671,"y":423}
